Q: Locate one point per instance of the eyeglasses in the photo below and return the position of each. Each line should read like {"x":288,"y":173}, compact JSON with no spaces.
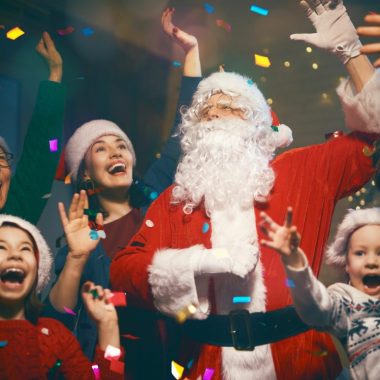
{"x":6,"y":160}
{"x":224,"y":105}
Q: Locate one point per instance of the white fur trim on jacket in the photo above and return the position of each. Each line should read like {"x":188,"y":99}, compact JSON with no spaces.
{"x":361,"y":109}
{"x":45,"y":257}
{"x":172,"y":281}
{"x":85,"y":136}
{"x":337,"y":253}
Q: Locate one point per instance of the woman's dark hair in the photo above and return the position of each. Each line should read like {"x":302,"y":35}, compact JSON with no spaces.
{"x":32,"y":304}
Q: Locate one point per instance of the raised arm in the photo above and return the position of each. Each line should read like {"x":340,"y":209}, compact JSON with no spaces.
{"x":161,"y":173}
{"x":36,"y":168}
{"x":80,"y":245}
{"x":336,"y":34}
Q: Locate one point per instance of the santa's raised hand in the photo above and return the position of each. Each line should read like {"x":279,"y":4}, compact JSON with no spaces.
{"x":335,"y":32}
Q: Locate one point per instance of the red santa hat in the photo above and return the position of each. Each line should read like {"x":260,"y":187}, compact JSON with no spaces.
{"x":245,"y":88}
{"x":44,"y":256}
{"x":337,"y":252}
{"x":82,"y":140}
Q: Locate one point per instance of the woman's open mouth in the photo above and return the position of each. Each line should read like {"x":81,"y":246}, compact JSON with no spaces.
{"x":12,"y":277}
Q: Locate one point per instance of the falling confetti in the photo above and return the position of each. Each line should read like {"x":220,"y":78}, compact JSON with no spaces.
{"x":64,"y":32}
{"x":149,"y":223}
{"x":117,"y":367}
{"x":259,"y":10}
{"x":190,"y":363}
{"x":88,"y":31}
{"x":177,"y":64}
{"x":90,"y":213}
{"x":96,"y":370}
{"x":94,"y":235}
{"x":290,"y":283}
{"x":205,"y":227}
{"x":262,"y":60}
{"x":112,"y":353}
{"x":177,"y":370}
{"x":68,"y":179}
{"x":45,"y":331}
{"x":209,"y":8}
{"x":69,"y":311}
{"x":223,"y":25}
{"x":333,"y":135}
{"x":250,"y":82}
{"x":129,"y":336}
{"x":209,"y":372}
{"x":3,"y":343}
{"x":15,"y":33}
{"x":185,"y":313}
{"x":46,"y":196}
{"x":241,"y":299}
{"x":54,"y":370}
{"x":53,"y":145}
{"x":94,"y":293}
{"x":118,"y":299}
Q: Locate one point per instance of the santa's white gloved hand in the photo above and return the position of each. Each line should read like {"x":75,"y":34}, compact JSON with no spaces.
{"x":334,"y":29}
{"x":212,"y":261}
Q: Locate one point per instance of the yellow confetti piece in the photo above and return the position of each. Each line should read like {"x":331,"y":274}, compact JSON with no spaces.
{"x":15,"y":33}
{"x":185,"y":313}
{"x":177,"y":370}
{"x":262,"y":61}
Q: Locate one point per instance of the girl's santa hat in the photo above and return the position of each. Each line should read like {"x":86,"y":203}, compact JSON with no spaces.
{"x":337,"y":252}
{"x":248,"y":92}
{"x":44,"y":256}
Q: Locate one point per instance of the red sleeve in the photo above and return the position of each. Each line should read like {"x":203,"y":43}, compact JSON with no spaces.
{"x":129,"y":268}
{"x":338,"y":167}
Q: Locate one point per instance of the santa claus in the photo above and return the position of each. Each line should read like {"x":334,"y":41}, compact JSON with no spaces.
{"x":199,"y":243}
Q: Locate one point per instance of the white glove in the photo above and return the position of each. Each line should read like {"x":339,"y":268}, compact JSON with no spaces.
{"x":212,"y":261}
{"x":335,"y":31}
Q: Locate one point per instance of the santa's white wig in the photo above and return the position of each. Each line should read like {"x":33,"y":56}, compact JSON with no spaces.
{"x":233,"y":146}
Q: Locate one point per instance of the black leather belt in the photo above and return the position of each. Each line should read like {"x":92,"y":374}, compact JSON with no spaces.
{"x":240,"y":329}
{"x":243,"y":330}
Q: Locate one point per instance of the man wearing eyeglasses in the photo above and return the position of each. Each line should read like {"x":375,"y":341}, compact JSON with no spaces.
{"x":26,"y":193}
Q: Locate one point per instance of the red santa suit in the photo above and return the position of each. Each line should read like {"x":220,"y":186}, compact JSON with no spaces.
{"x":155,"y":270}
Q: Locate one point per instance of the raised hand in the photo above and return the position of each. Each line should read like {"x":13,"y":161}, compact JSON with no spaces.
{"x":334,"y":29}
{"x":76,"y":228}
{"x":371,"y":30}
{"x":46,"y":48}
{"x":183,"y":39}
{"x":284,"y":239}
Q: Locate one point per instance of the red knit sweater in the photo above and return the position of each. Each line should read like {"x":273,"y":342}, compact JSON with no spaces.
{"x":45,"y":350}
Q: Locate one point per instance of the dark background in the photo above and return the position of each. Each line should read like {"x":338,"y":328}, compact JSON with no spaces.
{"x":125,"y":72}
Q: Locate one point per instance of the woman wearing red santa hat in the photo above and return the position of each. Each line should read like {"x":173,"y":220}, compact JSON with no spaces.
{"x":40,"y":348}
{"x":199,"y":244}
{"x":100,"y":158}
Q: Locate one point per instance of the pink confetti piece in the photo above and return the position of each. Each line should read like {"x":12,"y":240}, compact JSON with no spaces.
{"x":96,"y":370}
{"x":53,"y":144}
{"x":65,"y":31}
{"x":209,"y":373}
{"x":223,"y":25}
{"x":69,"y":311}
{"x":118,"y":299}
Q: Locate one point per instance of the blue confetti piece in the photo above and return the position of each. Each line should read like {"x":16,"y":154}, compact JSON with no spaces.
{"x":209,"y":8}
{"x":94,"y":235}
{"x":153,"y":195}
{"x":259,"y":10}
{"x":250,"y":82}
{"x":290,"y":283}
{"x":205,"y":227}
{"x":190,"y":363}
{"x":3,"y":343}
{"x":177,"y":64}
{"x":88,"y":31}
{"x":240,"y":299}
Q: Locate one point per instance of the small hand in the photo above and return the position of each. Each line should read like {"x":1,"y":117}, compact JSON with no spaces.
{"x":371,"y":31}
{"x":183,"y":39}
{"x":284,"y":239}
{"x":96,"y":300}
{"x":76,"y":228}
{"x":46,"y":48}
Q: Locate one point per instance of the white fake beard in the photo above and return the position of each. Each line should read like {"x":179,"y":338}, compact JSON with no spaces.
{"x":226,"y":163}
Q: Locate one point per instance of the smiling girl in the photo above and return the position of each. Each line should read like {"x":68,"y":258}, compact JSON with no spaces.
{"x":32,"y":347}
